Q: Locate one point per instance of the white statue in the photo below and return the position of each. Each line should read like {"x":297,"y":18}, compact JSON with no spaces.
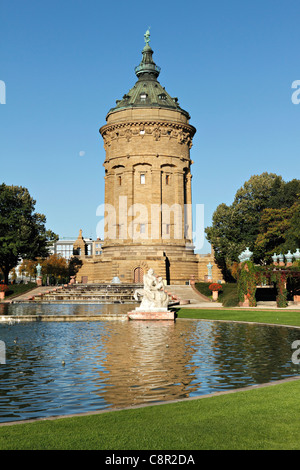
{"x":153,"y":295}
{"x":38,"y":270}
{"x":245,"y":255}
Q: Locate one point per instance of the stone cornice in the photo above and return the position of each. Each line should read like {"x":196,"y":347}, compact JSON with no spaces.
{"x":157,"y":129}
{"x":139,"y":125}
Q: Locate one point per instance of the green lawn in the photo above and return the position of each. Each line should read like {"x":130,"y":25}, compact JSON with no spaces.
{"x":264,"y":418}
{"x":18,"y":289}
{"x":282,"y":317}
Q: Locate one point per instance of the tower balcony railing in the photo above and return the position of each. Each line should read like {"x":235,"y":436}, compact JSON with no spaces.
{"x":147,"y":68}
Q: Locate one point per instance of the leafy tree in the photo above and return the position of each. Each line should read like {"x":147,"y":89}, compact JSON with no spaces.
{"x":293,"y":235}
{"x":74,"y":265}
{"x":22,"y":230}
{"x":235,"y":227}
{"x":279,"y":231}
{"x":284,"y":194}
{"x":56,"y":267}
{"x":28,"y":267}
{"x":262,"y":206}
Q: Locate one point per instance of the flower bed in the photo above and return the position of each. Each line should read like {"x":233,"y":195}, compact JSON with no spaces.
{"x":215,"y":287}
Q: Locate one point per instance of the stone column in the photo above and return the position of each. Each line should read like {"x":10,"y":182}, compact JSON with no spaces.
{"x":128,"y":192}
{"x":155,"y":200}
{"x":179,"y":199}
{"x":110,"y":228}
{"x":188,"y":208}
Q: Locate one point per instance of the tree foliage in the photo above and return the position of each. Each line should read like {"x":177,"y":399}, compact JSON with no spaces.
{"x":28,"y":268}
{"x":264,"y":216}
{"x":279,"y":231}
{"x":247,"y":283}
{"x":55,"y":266}
{"x":23,"y":233}
{"x":74,"y":265}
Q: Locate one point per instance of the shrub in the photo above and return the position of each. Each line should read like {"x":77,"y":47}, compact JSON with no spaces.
{"x":229,"y":295}
{"x":247,"y":283}
{"x":203,"y":288}
{"x":231,"y":299}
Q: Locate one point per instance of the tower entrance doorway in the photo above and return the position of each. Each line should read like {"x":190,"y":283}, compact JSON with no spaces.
{"x":138,"y":275}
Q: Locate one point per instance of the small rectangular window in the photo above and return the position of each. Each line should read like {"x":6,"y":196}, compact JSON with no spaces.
{"x":143,"y":179}
{"x":167,"y":229}
{"x":142,"y":228}
{"x":167,"y":179}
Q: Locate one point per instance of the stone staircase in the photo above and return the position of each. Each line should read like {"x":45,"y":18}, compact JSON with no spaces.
{"x":83,"y":293}
{"x":110,"y":294}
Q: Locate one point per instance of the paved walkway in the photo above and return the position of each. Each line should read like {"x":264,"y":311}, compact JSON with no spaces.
{"x":194,"y":299}
{"x":28,"y":294}
{"x":273,"y":305}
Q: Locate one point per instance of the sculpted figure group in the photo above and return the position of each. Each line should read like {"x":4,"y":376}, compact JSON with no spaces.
{"x":153,"y":294}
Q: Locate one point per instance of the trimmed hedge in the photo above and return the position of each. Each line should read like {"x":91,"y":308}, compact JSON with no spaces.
{"x":228,"y":296}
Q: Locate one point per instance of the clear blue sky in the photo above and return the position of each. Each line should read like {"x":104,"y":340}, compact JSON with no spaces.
{"x":230,"y":63}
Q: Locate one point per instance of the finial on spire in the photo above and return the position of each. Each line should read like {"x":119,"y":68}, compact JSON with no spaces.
{"x":147,"y":36}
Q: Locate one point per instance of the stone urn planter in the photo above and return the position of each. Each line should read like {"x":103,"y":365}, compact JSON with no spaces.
{"x":3,"y":289}
{"x":215,"y":289}
{"x":297,"y":299}
{"x":246,"y":302}
{"x":215,"y":295}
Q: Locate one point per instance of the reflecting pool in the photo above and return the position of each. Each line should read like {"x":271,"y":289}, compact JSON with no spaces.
{"x":64,"y":309}
{"x":72,"y":367}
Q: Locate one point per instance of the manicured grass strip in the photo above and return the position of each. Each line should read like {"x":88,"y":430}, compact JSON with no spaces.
{"x":263,"y":418}
{"x":282,"y":317}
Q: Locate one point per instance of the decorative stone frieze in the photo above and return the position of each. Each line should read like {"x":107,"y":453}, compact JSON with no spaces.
{"x":182,"y":133}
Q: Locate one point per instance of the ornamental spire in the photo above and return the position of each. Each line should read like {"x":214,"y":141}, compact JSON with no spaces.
{"x":147,"y":67}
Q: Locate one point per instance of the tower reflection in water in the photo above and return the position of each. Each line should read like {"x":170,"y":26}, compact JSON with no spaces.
{"x":146,"y":361}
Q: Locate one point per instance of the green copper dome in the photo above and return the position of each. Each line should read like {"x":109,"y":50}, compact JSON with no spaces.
{"x":147,"y":91}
